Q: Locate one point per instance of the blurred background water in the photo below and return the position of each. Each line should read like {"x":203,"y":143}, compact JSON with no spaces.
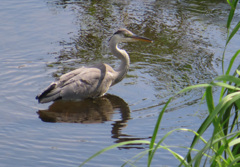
{"x":41,"y":40}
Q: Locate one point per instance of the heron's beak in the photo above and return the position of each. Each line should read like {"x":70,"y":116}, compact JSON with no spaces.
{"x":137,"y":38}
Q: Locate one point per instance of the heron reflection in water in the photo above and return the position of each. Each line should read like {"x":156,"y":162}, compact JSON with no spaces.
{"x":92,"y":81}
{"x":87,"y":111}
{"x":92,"y":111}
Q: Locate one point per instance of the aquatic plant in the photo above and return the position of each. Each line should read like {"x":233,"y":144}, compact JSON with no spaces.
{"x":223,"y":147}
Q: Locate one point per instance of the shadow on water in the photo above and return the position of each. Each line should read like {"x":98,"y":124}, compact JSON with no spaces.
{"x":88,"y":111}
{"x":91,"y":111}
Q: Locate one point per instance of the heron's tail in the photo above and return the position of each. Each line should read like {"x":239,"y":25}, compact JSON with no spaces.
{"x":52,"y":93}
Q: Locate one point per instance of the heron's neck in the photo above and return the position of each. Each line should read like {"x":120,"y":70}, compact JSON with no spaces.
{"x":125,"y":61}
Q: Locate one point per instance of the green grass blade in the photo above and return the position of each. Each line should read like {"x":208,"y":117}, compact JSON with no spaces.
{"x":235,"y":29}
{"x":230,"y":3}
{"x":238,"y":72}
{"x":217,"y":158}
{"x":207,"y":122}
{"x":235,"y":162}
{"x":229,"y":69}
{"x":228,"y":78}
{"x":156,"y":131}
{"x":209,"y":99}
{"x":161,"y":115}
{"x":136,"y":157}
{"x":193,"y":87}
{"x":234,"y":142}
{"x":114,"y":146}
{"x":233,"y":5}
{"x":231,"y":14}
{"x":158,"y":144}
{"x":224,"y":85}
{"x":231,"y":62}
{"x":178,"y":156}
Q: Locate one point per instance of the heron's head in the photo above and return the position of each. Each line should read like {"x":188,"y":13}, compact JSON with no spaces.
{"x":124,"y":35}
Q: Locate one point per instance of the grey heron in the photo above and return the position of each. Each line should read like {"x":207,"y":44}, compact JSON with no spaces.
{"x":93,"y":81}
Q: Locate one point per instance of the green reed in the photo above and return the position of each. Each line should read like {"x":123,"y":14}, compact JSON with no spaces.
{"x":223,"y":147}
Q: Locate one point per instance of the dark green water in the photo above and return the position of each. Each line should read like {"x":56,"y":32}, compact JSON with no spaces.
{"x":41,"y":40}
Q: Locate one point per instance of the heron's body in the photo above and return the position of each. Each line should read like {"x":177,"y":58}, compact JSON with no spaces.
{"x":92,"y":81}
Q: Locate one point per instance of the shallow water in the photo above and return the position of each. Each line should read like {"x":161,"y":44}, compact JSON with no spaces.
{"x":44,"y":39}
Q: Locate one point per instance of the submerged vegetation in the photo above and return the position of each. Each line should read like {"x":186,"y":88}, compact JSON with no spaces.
{"x":223,"y":147}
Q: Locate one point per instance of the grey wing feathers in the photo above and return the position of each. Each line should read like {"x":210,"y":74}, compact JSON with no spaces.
{"x":79,"y":84}
{"x":49,"y":94}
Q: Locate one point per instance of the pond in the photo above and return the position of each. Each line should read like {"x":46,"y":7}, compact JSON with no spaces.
{"x":41,"y":40}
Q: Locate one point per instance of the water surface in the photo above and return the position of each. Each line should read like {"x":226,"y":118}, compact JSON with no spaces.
{"x":42,"y":40}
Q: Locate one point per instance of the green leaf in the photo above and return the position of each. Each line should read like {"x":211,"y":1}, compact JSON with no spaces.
{"x":228,"y":100}
{"x":228,"y":78}
{"x":234,"y":142}
{"x":156,"y":131}
{"x":236,"y":28}
{"x":231,"y":62}
{"x":238,"y":72}
{"x":114,"y":146}
{"x":209,"y":99}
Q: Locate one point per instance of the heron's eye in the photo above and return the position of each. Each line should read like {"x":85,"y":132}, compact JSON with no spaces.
{"x":127,"y":35}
